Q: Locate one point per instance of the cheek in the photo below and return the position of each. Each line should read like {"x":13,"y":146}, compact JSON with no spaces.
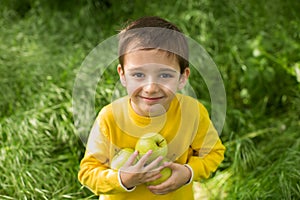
{"x":132,"y":87}
{"x":171,"y":86}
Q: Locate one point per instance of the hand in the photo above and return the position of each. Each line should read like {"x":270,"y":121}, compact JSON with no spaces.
{"x":133,"y":175}
{"x":180,"y":176}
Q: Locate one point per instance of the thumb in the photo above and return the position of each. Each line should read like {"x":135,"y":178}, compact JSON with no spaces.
{"x":169,"y":164}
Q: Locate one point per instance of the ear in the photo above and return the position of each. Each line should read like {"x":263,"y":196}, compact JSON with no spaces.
{"x":121,"y":75}
{"x":184,"y":78}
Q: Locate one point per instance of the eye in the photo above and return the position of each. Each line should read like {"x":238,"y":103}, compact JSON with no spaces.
{"x":165,"y":75}
{"x":138,"y":75}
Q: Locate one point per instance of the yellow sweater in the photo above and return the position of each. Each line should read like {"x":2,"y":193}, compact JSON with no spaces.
{"x":191,"y":138}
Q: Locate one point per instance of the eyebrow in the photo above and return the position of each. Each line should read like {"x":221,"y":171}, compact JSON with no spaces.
{"x":168,"y":69}
{"x":135,"y":70}
{"x":141,"y":68}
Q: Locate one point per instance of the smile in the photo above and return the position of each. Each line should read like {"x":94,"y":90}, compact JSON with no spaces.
{"x":151,"y":99}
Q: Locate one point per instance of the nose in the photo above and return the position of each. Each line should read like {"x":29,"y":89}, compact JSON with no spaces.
{"x":151,"y":88}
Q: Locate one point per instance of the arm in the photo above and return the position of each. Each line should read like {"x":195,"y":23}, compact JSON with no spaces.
{"x":100,"y":179}
{"x":207,"y":150}
{"x":94,"y":171}
{"x":205,"y":154}
{"x":198,"y":167}
{"x":97,"y":177}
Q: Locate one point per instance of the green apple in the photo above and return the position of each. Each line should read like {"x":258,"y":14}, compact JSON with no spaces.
{"x":121,"y":158}
{"x":152,"y":141}
{"x":165,"y":174}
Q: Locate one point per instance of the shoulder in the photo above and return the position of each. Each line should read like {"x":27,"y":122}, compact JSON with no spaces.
{"x":117,"y":106}
{"x":188,"y":100}
{"x":192,"y":105}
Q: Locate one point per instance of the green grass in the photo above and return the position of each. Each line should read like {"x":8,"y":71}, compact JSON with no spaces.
{"x":255,"y":44}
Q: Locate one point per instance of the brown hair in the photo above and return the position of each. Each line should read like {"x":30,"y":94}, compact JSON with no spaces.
{"x":154,"y":33}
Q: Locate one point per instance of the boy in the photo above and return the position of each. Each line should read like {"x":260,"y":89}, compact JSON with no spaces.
{"x":153,"y":66}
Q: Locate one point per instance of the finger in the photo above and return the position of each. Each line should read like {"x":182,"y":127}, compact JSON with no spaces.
{"x":155,"y":165}
{"x":163,"y":187}
{"x":162,"y":166}
{"x":159,"y":191}
{"x":152,"y":176}
{"x":159,"y":187}
{"x":141,"y":163}
{"x":168,"y":164}
{"x":131,"y":160}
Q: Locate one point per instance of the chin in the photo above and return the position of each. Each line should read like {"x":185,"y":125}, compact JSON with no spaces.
{"x":157,"y":110}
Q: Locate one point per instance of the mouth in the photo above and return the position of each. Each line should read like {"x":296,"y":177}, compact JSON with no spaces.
{"x":151,"y":99}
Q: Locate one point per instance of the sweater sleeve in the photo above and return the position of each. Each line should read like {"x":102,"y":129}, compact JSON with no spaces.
{"x":207,"y":150}
{"x":95,"y":172}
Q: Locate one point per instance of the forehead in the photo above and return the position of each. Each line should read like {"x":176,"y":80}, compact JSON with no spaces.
{"x":153,"y":56}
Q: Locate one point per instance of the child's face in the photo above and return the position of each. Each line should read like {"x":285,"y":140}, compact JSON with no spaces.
{"x":151,"y":79}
